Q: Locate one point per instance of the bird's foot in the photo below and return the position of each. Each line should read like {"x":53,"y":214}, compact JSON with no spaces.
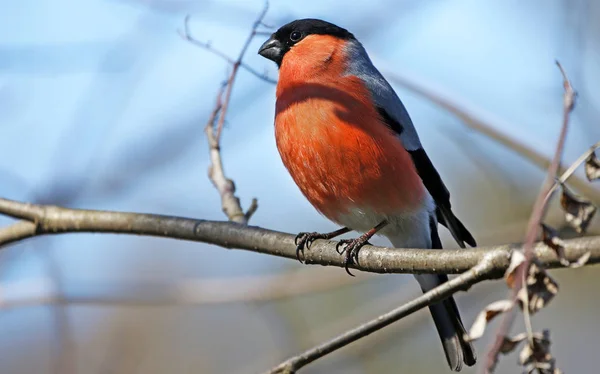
{"x":305,"y":239}
{"x":351,"y":247}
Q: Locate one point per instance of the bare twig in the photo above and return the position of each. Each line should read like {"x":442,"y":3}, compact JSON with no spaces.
{"x":186,"y":34}
{"x":478,"y":273}
{"x":236,"y":66}
{"x":230,"y":203}
{"x":46,"y":220}
{"x":17,"y":231}
{"x":569,"y":172}
{"x":533,"y":225}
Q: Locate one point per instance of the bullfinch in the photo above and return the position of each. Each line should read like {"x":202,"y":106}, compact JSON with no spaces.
{"x":350,"y":146}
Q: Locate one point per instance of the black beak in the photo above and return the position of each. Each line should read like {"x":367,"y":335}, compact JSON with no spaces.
{"x":272,"y":49}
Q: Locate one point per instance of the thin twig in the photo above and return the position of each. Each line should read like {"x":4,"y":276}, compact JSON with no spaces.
{"x":16,"y":232}
{"x":569,"y":172}
{"x":230,"y":203}
{"x":186,"y":34}
{"x":50,"y":220}
{"x":478,"y":273}
{"x":236,"y":66}
{"x":533,"y":225}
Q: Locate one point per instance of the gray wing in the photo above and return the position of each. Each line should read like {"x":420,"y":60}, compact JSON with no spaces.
{"x":384,"y":95}
{"x":394,"y":113}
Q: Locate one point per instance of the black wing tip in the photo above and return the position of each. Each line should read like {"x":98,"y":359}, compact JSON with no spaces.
{"x":433,"y":182}
{"x":455,"y":226}
{"x":465,"y":235}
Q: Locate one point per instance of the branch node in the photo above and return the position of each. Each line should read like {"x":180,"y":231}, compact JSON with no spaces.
{"x":252,"y":209}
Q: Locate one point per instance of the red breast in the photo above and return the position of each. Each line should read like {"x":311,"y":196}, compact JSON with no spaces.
{"x":332,"y":139}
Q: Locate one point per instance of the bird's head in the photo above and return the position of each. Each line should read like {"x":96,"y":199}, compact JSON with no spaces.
{"x":308,"y":37}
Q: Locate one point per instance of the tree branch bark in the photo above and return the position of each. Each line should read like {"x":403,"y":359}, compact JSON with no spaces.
{"x":45,"y":219}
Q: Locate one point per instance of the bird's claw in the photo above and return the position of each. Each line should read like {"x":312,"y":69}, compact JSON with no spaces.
{"x":304,"y":240}
{"x":351,"y":247}
{"x":340,"y":248}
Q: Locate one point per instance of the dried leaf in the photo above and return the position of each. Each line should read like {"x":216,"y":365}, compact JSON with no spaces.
{"x":592,"y":167}
{"x":579,"y":211}
{"x":509,"y":344}
{"x":536,"y":356}
{"x":581,"y":260}
{"x":516,"y":259}
{"x":552,"y":240}
{"x":485,"y":316}
{"x":541,"y":289}
{"x":531,"y":352}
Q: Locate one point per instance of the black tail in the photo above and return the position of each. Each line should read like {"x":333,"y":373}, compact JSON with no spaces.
{"x":451,"y":330}
{"x":447,"y":318}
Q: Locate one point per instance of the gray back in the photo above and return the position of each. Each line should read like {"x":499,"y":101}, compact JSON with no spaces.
{"x":360,"y":65}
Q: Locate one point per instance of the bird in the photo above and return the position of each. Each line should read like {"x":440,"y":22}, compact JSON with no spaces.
{"x":349,"y":144}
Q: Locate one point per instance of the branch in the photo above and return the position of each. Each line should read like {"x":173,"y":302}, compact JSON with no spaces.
{"x":16,"y":232}
{"x":569,"y":172}
{"x":479,"y":272}
{"x":533,"y":225}
{"x":236,"y":65}
{"x":186,"y":34}
{"x":230,"y":203}
{"x":46,"y":219}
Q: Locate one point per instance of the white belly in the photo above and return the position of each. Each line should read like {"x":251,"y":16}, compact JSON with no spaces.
{"x":405,"y":229}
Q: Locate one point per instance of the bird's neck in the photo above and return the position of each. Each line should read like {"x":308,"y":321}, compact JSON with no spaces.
{"x":320,"y":62}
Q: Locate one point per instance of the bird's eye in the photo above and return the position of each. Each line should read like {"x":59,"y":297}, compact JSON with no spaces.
{"x":295,"y":36}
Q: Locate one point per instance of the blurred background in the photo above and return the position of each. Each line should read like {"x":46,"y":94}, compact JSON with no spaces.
{"x":103,"y":105}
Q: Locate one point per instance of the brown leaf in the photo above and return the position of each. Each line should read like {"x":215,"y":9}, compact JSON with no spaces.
{"x":551,"y":239}
{"x":485,"y":316}
{"x":592,"y":167}
{"x":516,"y":259}
{"x":579,"y":211}
{"x":509,"y":344}
{"x":581,"y":260}
{"x":540,"y":290}
{"x":536,"y":355}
